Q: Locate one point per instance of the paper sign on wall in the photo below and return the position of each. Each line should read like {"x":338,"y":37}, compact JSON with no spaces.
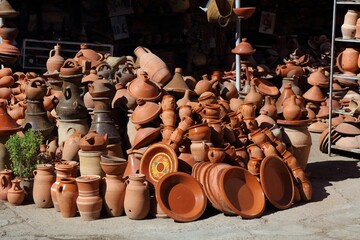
{"x":267,"y":22}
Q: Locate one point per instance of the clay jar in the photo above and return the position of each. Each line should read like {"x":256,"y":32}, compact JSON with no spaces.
{"x":248,"y":110}
{"x":270,"y":107}
{"x":36,"y":89}
{"x":199,"y":132}
{"x":55,"y":60}
{"x":204,"y":85}
{"x":185,"y":123}
{"x":89,"y":202}
{"x":62,"y":171}
{"x":207,"y":98}
{"x":16,"y":194}
{"x":184,"y":111}
{"x":94,"y":141}
{"x":168,"y":117}
{"x":137,"y":197}
{"x":153,"y":65}
{"x":258,"y":137}
{"x":347,"y":61}
{"x":212,"y":111}
{"x":199,"y":150}
{"x":5,"y":183}
{"x":292,"y":111}
{"x":72,"y":146}
{"x":166,"y":132}
{"x":253,"y":165}
{"x":44,"y":177}
{"x":168,"y":103}
{"x":254,"y":97}
{"x":216,"y":154}
{"x":114,"y":195}
{"x":67,"y":193}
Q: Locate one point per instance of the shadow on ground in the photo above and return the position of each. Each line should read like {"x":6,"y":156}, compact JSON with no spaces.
{"x":322,"y":173}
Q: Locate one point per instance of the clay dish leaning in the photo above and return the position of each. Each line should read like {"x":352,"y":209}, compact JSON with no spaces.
{"x":113,"y":165}
{"x":145,"y":112}
{"x":244,"y":12}
{"x":347,"y":128}
{"x":242,"y":192}
{"x":145,"y":136}
{"x":181,"y":197}
{"x":274,"y":172}
{"x":266,"y":88}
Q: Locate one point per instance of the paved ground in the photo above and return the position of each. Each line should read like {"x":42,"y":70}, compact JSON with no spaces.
{"x":334,"y":213}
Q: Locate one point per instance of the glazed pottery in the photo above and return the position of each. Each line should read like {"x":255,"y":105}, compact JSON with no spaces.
{"x":114,"y":195}
{"x":62,"y":171}
{"x":44,"y":177}
{"x":347,"y":61}
{"x":89,"y":202}
{"x":67,"y":193}
{"x":137,"y":197}
{"x":16,"y":194}
{"x":55,"y":60}
{"x":6,"y":176}
{"x":175,"y":189}
{"x":90,"y":162}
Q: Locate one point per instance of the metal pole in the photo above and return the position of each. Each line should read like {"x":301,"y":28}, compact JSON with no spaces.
{"x":237,"y":56}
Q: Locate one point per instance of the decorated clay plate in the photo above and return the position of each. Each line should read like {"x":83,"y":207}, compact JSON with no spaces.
{"x":242,"y":192}
{"x":157,"y":161}
{"x":277,"y":182}
{"x":181,"y":197}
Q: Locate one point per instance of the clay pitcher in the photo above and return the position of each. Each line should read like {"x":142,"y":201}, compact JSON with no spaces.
{"x":114,"y":195}
{"x":254,"y":97}
{"x":55,"y":60}
{"x":204,"y":85}
{"x":16,"y":195}
{"x":62,"y":171}
{"x":5,"y":183}
{"x":67,"y":193}
{"x":347,"y":61}
{"x":44,"y":177}
{"x":292,"y":111}
{"x":137,"y":197}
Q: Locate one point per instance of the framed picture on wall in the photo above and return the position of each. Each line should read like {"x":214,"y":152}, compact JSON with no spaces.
{"x":267,"y":22}
{"x":119,"y":27}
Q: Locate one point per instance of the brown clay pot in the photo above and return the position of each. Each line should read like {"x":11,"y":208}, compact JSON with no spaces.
{"x":347,"y":61}
{"x":62,"y":171}
{"x":168,"y":117}
{"x":292,"y":111}
{"x":253,"y":96}
{"x":253,"y":165}
{"x":6,"y":176}
{"x":137,"y":197}
{"x":114,"y":195}
{"x":185,"y":111}
{"x":204,"y":85}
{"x":55,"y":60}
{"x":72,"y":146}
{"x":199,"y":132}
{"x":248,"y":110}
{"x":216,"y":155}
{"x":93,"y":141}
{"x":270,"y":107}
{"x":44,"y":177}
{"x":16,"y":195}
{"x":168,"y":103}
{"x":7,"y":81}
{"x":67,"y":193}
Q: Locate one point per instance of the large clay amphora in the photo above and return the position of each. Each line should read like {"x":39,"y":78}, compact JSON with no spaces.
{"x":137,"y":197}
{"x":44,"y":177}
{"x":5,"y":183}
{"x":62,"y":171}
{"x":114,"y":195}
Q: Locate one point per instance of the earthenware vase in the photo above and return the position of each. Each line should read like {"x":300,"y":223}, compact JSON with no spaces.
{"x":16,"y":195}
{"x":67,"y":193}
{"x":204,"y":85}
{"x":292,"y":111}
{"x":62,"y":171}
{"x":137,"y":197}
{"x":55,"y":60}
{"x":44,"y":178}
{"x":184,"y":100}
{"x":6,"y":176}
{"x":347,"y":61}
{"x":114,"y":195}
{"x":254,"y":96}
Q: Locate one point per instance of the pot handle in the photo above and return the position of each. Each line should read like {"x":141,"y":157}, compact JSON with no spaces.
{"x":51,"y":53}
{"x":3,"y":182}
{"x":60,"y":188}
{"x":146,"y":184}
{"x":35,"y":172}
{"x":82,"y":91}
{"x":338,"y":61}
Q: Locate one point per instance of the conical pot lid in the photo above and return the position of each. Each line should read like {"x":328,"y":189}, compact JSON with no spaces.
{"x":142,"y":88}
{"x":145,"y":112}
{"x":243,"y":48}
{"x":8,"y":125}
{"x":145,"y":136}
{"x":314,"y":94}
{"x":177,"y":83}
{"x":6,"y":10}
{"x":318,"y":126}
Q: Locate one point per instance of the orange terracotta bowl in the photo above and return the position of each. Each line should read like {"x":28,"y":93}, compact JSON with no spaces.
{"x":177,"y":188}
{"x":113,"y":165}
{"x":244,"y":12}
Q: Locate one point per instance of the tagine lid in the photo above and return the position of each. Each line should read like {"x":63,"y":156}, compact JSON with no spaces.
{"x":145,"y":112}
{"x":243,"y":48}
{"x":6,"y":10}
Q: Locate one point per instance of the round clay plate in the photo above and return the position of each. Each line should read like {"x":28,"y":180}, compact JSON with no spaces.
{"x":157,"y":161}
{"x":242,"y":192}
{"x":181,"y":197}
{"x":277,"y":182}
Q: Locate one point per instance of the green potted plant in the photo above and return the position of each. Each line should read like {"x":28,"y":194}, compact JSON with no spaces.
{"x":23,"y":153}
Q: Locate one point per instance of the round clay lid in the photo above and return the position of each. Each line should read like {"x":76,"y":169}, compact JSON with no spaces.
{"x":142,"y":88}
{"x":175,"y":189}
{"x":243,"y":48}
{"x":91,"y":77}
{"x":145,"y":112}
{"x":266,"y":88}
{"x":145,"y":136}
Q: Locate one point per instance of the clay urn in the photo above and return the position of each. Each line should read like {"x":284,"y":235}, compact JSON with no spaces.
{"x":204,"y":85}
{"x":292,"y":111}
{"x":94,"y":141}
{"x":55,"y":60}
{"x":347,"y":61}
{"x":36,"y":89}
{"x":142,"y":88}
{"x":16,"y":194}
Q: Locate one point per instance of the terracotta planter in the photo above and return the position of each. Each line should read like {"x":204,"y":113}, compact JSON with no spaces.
{"x":114,"y":195}
{"x":137,"y":197}
{"x":67,"y":193}
{"x":90,"y":162}
{"x":44,"y":177}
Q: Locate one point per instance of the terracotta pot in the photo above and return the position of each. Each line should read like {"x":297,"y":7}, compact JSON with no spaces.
{"x":253,"y":165}
{"x":168,"y":117}
{"x":7,"y":81}
{"x":44,"y":178}
{"x":250,"y":125}
{"x":255,"y":151}
{"x":67,"y":193}
{"x":86,"y":54}
{"x":185,"y":111}
{"x":6,"y":176}
{"x":166,"y":132}
{"x":205,"y":85}
{"x":254,"y":97}
{"x":153,"y":65}
{"x":5,"y":93}
{"x":258,"y":137}
{"x":90,"y":162}
{"x":268,"y":149}
{"x":89,"y":202}
{"x":216,"y":155}
{"x":123,"y":99}
{"x":55,"y":60}
{"x":8,"y":31}
{"x":290,"y":69}
{"x":62,"y":171}
{"x":248,"y":110}
{"x":16,"y":195}
{"x":242,"y":154}
{"x":270,"y":107}
{"x":264,"y":120}
{"x":185,"y":123}
{"x":184,"y":100}
{"x":199,"y":150}
{"x":72,"y":147}
{"x":292,"y":111}
{"x":113,"y":165}
{"x":347,"y":61}
{"x":217,"y":132}
{"x":212,"y":110}
{"x":168,"y":103}
{"x":67,"y":127}
{"x":93,"y":141}
{"x":199,"y":132}
{"x":137,"y":197}
{"x":207,"y":98}
{"x":145,"y":112}
{"x":284,"y":95}
{"x":114,"y":195}
{"x":350,"y":17}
